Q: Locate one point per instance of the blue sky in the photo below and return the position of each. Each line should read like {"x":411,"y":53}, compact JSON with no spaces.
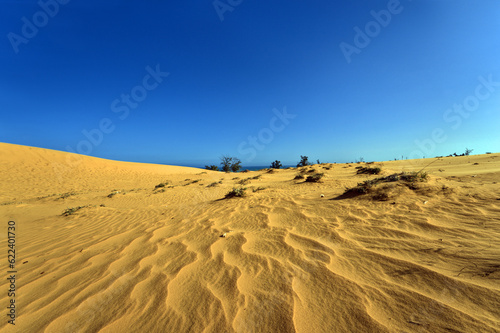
{"x":335,"y":81}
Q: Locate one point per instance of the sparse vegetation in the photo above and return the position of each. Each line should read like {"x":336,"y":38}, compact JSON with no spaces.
{"x":257,"y":177}
{"x":214,"y":184}
{"x":161,"y":185}
{"x":112,"y":194}
{"x":410,"y":178}
{"x":304,"y":161}
{"x":244,"y":181}
{"x":368,"y":170}
{"x":276,"y":165}
{"x":212,"y":167}
{"x":260,"y":188}
{"x":192,"y":182}
{"x":71,"y":211}
{"x":230,"y":164}
{"x":314,"y":178}
{"x":66,"y":195}
{"x":466,"y":153}
{"x":299,"y":177}
{"x":236,"y":192}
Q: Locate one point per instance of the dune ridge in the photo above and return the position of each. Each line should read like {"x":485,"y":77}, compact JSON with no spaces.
{"x":153,"y":260}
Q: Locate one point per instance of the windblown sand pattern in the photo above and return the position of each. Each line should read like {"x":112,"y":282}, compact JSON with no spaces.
{"x":138,"y":259}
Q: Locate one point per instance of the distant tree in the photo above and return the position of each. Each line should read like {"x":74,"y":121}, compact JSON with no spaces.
{"x":276,"y":165}
{"x":229,"y":164}
{"x":468,"y":151}
{"x":318,"y":162}
{"x":225,"y":162}
{"x":235,"y":165}
{"x":303,"y":161}
{"x":212,"y":167}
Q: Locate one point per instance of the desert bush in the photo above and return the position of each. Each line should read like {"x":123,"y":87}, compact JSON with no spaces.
{"x":299,"y":177}
{"x":368,"y":170}
{"x":112,"y":194}
{"x":161,"y":185}
{"x":212,"y":167}
{"x":410,"y":178}
{"x":236,"y":192}
{"x":66,"y":195}
{"x":246,"y":170}
{"x":314,"y":178}
{"x":276,"y":165}
{"x":71,"y":211}
{"x":260,"y":188}
{"x":303,"y":161}
{"x":244,"y":181}
{"x":213,"y":184}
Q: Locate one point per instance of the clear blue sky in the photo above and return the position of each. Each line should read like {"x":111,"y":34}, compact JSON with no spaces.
{"x":372,"y":79}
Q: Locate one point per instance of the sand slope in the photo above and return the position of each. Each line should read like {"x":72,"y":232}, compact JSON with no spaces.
{"x":139,"y":259}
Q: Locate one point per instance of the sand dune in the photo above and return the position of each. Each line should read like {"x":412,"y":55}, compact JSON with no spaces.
{"x":132,"y":258}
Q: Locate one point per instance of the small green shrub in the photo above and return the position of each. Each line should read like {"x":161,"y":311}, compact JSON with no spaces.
{"x":244,"y":181}
{"x":314,"y":178}
{"x":236,"y":192}
{"x":212,"y":167}
{"x":161,"y":185}
{"x":276,"y":165}
{"x":304,"y":161}
{"x":368,"y":170}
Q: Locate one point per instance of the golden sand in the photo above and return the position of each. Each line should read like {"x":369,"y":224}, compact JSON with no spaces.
{"x":132,"y":258}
